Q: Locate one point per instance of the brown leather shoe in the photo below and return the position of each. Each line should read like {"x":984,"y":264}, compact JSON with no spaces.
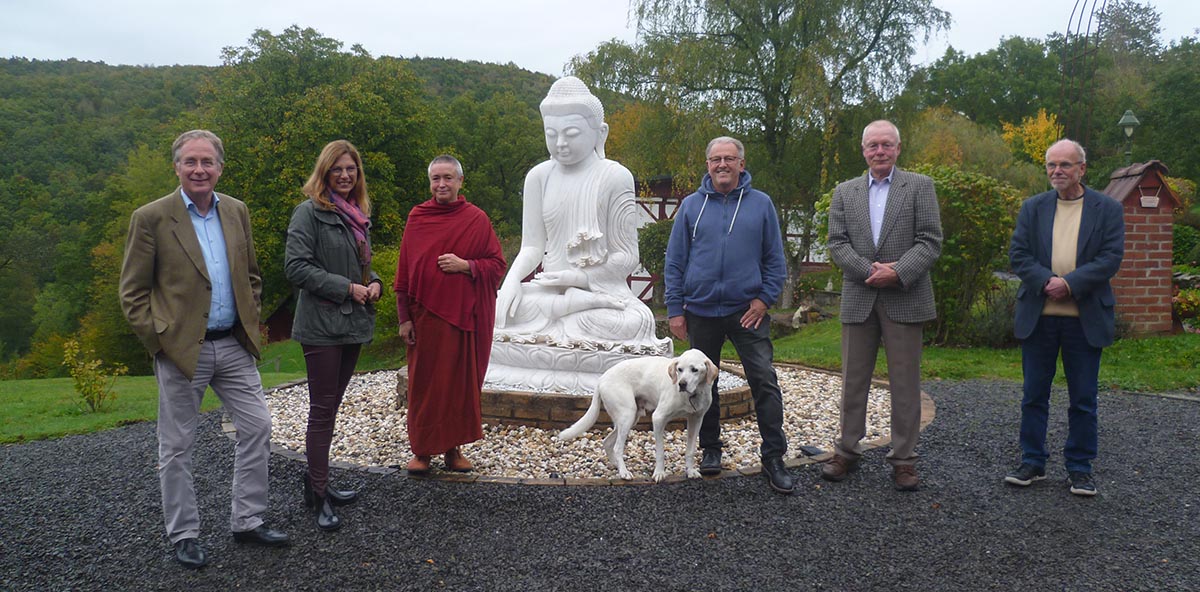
{"x":905,"y":477}
{"x":455,"y":461}
{"x":418,"y":465}
{"x":836,"y":468}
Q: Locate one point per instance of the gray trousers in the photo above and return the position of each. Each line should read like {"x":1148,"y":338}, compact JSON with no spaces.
{"x":860,"y":346}
{"x":230,"y":370}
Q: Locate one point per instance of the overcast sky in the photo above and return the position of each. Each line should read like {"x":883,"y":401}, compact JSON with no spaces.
{"x":539,"y":35}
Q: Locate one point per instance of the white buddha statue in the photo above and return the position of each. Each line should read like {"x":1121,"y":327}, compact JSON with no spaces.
{"x":579,"y":223}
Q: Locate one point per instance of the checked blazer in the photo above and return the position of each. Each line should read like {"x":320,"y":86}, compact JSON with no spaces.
{"x":911,"y":237}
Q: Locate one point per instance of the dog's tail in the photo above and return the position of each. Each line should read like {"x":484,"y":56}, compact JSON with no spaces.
{"x":584,"y":422}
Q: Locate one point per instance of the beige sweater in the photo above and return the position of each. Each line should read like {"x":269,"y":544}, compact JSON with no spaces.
{"x":1062,"y":256}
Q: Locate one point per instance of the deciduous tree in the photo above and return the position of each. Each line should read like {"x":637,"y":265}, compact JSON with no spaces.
{"x":1030,"y":139}
{"x":498,"y":140}
{"x":771,"y":72}
{"x":941,"y":136}
{"x":1007,"y":83}
{"x":279,"y":99}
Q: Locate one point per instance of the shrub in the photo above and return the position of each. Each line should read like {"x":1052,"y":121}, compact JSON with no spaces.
{"x":383,"y":262}
{"x":652,"y":250}
{"x":1186,"y":305}
{"x":1185,"y":190}
{"x":1186,"y":247}
{"x":992,"y":317}
{"x":44,"y":360}
{"x":978,"y":217}
{"x":91,"y":383}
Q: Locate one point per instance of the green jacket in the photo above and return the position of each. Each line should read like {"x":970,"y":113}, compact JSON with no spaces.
{"x":321,"y":260}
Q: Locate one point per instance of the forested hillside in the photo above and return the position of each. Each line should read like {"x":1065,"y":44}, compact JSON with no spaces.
{"x":82,"y":144}
{"x":65,"y":129}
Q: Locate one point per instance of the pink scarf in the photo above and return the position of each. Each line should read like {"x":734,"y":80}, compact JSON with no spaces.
{"x":358,"y":223}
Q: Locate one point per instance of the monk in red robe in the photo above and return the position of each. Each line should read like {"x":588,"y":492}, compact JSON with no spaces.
{"x":446,"y":280}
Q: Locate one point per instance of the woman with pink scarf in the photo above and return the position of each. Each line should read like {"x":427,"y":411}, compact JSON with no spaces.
{"x":328,"y":259}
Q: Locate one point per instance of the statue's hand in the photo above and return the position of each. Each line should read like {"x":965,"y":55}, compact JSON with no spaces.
{"x":570,"y":278}
{"x":508,"y":299}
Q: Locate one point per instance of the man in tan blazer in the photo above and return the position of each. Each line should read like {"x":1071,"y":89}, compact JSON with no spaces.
{"x":190,"y":288}
{"x":885,"y":233}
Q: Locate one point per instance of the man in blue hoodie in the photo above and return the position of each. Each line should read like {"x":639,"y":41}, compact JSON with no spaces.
{"x":725,"y":266}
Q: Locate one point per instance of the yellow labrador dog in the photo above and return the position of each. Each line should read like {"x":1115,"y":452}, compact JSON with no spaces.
{"x":667,"y":388}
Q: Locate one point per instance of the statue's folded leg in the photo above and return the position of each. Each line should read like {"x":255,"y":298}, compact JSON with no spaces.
{"x":577,"y":300}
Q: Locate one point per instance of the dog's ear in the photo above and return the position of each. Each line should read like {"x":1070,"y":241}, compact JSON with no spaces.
{"x":713,"y":371}
{"x":673,"y":369}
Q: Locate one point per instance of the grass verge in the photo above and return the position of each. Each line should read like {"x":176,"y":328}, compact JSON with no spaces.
{"x":50,"y":408}
{"x":1158,"y":363}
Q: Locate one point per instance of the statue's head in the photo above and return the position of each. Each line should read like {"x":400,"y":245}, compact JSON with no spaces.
{"x":574,"y":121}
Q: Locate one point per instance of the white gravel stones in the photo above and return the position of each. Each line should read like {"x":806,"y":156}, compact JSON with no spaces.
{"x":371,"y":432}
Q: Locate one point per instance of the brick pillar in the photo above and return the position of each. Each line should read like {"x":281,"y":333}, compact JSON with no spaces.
{"x":1143,"y":286}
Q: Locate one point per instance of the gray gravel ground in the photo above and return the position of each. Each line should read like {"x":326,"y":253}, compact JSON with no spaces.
{"x":82,"y":513}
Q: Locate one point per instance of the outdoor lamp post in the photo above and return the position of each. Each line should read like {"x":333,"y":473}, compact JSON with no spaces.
{"x":1127,"y":123}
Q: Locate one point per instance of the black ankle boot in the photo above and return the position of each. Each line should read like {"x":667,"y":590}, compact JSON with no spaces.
{"x":326,"y":518}
{"x":310,"y":498}
{"x":340,"y":497}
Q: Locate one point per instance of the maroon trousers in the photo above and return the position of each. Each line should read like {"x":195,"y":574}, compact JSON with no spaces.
{"x":329,"y":370}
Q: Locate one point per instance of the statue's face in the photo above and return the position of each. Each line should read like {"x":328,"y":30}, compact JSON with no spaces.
{"x":569,"y":138}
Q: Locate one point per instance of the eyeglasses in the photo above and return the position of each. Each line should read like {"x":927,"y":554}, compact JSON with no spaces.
{"x":337,"y":171}
{"x":1065,"y":166}
{"x":723,"y":159}
{"x":192,"y":163}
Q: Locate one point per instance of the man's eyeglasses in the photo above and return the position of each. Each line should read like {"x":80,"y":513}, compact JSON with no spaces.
{"x":723,"y":159}
{"x":1065,"y":166}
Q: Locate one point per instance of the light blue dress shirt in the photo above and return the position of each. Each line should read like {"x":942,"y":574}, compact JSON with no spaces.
{"x":222,"y":313}
{"x":877,"y":193}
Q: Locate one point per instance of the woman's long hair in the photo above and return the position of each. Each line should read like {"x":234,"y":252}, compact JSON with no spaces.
{"x":317,"y":186}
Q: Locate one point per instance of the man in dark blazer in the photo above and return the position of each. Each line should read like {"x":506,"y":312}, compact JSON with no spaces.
{"x":1068,"y":244}
{"x":885,"y":233}
{"x":190,"y":289}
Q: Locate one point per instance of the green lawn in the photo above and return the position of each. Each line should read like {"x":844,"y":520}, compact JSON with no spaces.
{"x":286,"y":357}
{"x":1145,"y":364}
{"x":37,"y":409}
{"x":49,"y":408}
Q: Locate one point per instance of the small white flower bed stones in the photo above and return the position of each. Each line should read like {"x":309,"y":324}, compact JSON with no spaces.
{"x":370,"y":432}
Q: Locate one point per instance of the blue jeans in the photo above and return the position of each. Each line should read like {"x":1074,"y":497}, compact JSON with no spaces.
{"x":754,"y":347}
{"x":1081,"y":366}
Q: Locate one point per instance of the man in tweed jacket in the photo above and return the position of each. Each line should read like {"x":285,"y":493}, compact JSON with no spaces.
{"x":191,"y":291}
{"x":885,"y":233}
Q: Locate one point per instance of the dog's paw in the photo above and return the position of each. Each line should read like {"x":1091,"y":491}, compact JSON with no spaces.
{"x":659,"y":476}
{"x":693,"y":473}
{"x":625,"y":474}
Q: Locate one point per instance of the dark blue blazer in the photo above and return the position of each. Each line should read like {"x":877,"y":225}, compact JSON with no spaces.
{"x":1098,"y":258}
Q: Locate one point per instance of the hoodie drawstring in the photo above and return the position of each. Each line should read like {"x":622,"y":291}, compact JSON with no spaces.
{"x":737,"y":208}
{"x":696,"y":226}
